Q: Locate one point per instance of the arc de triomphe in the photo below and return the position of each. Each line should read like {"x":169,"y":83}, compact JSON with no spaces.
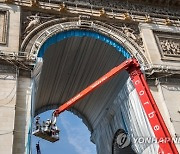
{"x":50,"y":50}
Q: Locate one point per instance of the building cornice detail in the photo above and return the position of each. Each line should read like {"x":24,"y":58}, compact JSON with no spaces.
{"x":129,"y":13}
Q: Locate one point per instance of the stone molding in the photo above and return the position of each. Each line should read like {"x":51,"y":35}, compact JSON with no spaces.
{"x":171,"y":88}
{"x":115,"y":5}
{"x":3,"y":26}
{"x":7,"y":77}
{"x":52,"y":27}
{"x":165,"y":80}
{"x":137,"y":12}
{"x":160,"y":28}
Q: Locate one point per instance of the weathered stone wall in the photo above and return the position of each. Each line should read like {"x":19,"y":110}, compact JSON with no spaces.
{"x":8,"y":86}
{"x":12,"y":28}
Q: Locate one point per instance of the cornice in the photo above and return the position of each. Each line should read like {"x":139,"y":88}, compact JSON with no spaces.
{"x":129,"y":13}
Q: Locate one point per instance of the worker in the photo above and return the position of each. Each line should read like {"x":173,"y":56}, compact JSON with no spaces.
{"x":38,"y":148}
{"x":55,"y":131}
{"x":38,"y":126}
{"x":47,"y":125}
{"x":43,"y":125}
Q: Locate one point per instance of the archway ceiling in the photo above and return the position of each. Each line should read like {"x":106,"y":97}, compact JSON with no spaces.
{"x":71,"y":65}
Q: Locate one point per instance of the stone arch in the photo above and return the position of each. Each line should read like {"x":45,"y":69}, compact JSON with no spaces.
{"x":35,"y":39}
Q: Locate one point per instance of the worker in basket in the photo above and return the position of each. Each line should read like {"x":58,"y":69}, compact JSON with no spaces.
{"x":38,"y":125}
{"x":55,"y":131}
{"x":47,"y":126}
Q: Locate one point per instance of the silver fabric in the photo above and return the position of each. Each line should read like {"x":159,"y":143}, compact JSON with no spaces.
{"x":126,"y":113}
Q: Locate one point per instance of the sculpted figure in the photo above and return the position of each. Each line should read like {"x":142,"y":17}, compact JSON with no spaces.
{"x":34,"y":2}
{"x":129,"y":32}
{"x":166,"y":46}
{"x":34,"y":21}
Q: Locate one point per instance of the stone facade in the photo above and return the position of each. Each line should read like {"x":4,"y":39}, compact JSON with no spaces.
{"x":10,"y":33}
{"x":8,"y":87}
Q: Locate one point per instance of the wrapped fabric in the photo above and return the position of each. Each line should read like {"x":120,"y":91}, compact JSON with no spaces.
{"x":127,"y":113}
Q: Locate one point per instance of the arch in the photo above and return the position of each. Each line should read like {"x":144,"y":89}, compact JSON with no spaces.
{"x":54,"y":31}
{"x":81,"y":33}
{"x":36,"y":38}
{"x":74,"y":33}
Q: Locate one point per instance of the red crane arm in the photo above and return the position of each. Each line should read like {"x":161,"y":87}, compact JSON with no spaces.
{"x":155,"y":119}
{"x":94,"y":85}
{"x":166,"y":144}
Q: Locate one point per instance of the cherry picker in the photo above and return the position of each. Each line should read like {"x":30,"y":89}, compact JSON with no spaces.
{"x":51,"y":133}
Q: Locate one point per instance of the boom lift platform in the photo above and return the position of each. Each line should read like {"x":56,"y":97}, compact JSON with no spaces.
{"x":51,"y":133}
{"x":47,"y":130}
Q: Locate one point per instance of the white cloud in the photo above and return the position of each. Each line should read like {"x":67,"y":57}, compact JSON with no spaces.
{"x":77,"y":137}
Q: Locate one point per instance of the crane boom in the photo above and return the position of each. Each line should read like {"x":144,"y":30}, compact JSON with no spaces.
{"x":156,"y":121}
{"x":94,"y":85}
{"x":153,"y":114}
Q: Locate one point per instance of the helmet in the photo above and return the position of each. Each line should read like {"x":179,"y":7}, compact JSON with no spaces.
{"x":38,"y":117}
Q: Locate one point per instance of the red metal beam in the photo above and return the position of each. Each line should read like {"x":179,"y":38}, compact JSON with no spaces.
{"x":93,"y":86}
{"x":156,"y":121}
{"x":166,"y":145}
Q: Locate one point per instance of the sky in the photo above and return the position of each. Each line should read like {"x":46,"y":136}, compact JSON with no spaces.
{"x":74,"y":136}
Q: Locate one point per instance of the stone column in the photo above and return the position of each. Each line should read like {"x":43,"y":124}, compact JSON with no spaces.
{"x":22,"y":127}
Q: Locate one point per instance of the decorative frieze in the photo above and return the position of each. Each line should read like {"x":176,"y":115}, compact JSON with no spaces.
{"x":123,"y":5}
{"x":33,"y":19}
{"x":8,"y":72}
{"x":3,"y":26}
{"x":169,"y":45}
{"x":131,"y":31}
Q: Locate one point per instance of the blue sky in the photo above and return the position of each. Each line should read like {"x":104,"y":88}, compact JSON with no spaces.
{"x":74,"y":137}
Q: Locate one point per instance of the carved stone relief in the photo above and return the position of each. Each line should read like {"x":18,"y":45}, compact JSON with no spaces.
{"x":31,"y":20}
{"x":3,"y":26}
{"x":169,"y":45}
{"x":131,"y":31}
